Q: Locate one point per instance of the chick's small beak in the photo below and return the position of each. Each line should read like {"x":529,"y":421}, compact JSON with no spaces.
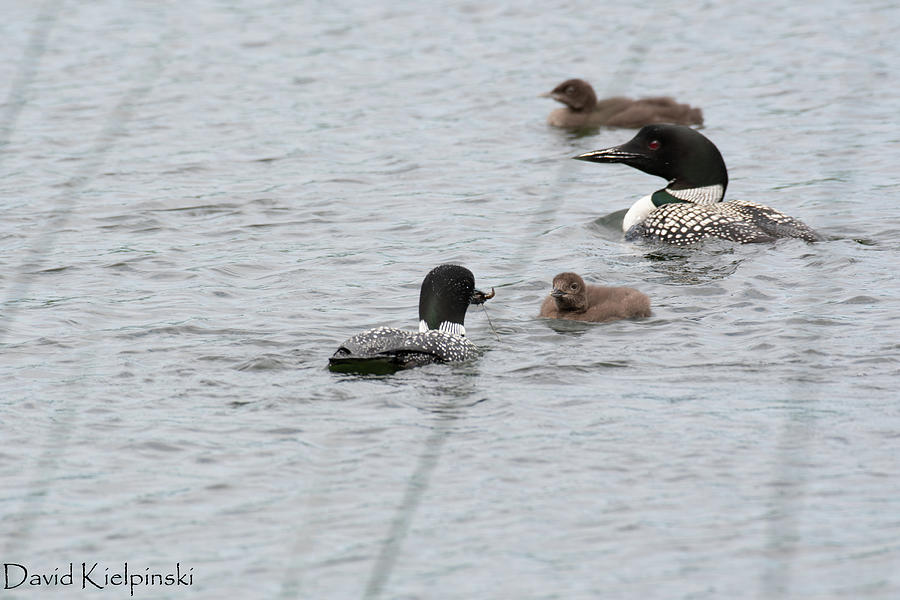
{"x":554,"y":96}
{"x":557,"y":293}
{"x":479,"y":297}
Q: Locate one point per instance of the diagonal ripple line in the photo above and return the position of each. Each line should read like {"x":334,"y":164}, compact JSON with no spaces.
{"x":412,"y":497}
{"x":792,"y":476}
{"x":428,"y":460}
{"x":789,"y":492}
{"x":60,"y":431}
{"x":37,"y":44}
{"x":795,"y":441}
{"x":65,"y":201}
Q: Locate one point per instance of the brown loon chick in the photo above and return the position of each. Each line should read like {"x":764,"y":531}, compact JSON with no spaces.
{"x":583,"y":110}
{"x":572,"y":299}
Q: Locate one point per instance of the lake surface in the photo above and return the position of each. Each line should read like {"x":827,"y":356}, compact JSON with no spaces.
{"x":202,"y":199}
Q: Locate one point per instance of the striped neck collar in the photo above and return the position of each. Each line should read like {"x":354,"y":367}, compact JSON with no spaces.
{"x":446,"y":327}
{"x":709,"y":194}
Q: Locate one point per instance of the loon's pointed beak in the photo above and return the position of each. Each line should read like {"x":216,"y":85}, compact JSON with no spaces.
{"x":479,"y":297}
{"x":616,"y":154}
{"x":557,"y":293}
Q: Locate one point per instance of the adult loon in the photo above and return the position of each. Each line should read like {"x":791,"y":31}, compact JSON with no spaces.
{"x":584,"y":110}
{"x":572,"y":299}
{"x":690,"y":207}
{"x":446,"y":293}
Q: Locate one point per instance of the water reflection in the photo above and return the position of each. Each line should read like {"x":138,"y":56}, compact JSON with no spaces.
{"x":690,"y":266}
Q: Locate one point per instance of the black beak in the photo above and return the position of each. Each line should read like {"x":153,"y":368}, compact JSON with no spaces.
{"x":616,"y":154}
{"x":557,"y":293}
{"x":479,"y":297}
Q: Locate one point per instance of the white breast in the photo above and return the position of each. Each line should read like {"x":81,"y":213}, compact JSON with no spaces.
{"x":638,"y":212}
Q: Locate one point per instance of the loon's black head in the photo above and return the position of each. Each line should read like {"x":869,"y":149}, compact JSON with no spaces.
{"x":681,"y":155}
{"x":577,"y":94}
{"x":446,"y":293}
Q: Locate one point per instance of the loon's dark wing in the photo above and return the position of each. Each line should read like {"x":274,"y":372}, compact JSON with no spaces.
{"x":379,"y":364}
{"x":774,"y":222}
{"x":386,"y":350}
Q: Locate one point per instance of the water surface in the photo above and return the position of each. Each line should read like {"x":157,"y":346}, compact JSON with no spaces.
{"x":202,"y":199}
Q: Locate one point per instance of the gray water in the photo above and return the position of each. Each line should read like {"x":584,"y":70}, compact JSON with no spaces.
{"x":202,"y":199}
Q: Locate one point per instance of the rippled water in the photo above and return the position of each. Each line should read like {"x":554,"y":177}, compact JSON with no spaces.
{"x":202,"y":199}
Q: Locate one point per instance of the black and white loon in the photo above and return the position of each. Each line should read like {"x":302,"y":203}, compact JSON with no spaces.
{"x":690,"y":207}
{"x":446,"y":293}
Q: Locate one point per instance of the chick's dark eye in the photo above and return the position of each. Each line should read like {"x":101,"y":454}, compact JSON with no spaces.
{"x":574,"y":286}
{"x":654,"y":145}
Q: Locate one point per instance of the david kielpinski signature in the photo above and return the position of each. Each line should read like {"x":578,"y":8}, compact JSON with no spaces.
{"x":92,"y":576}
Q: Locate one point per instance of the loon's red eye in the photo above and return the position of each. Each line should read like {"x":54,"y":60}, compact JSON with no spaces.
{"x":654,"y":145}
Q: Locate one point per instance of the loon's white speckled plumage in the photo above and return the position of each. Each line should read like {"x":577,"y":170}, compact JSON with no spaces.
{"x":737,"y":221}
{"x":409,"y":345}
